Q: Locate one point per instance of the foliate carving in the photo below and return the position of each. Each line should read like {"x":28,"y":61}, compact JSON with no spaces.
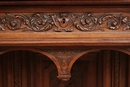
{"x":36,"y":22}
{"x":64,"y":22}
{"x":91,"y":22}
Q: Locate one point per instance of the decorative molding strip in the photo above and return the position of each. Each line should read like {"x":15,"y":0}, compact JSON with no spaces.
{"x":16,"y":71}
{"x":64,"y":22}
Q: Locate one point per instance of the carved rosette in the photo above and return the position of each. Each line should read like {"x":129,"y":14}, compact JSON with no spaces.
{"x":64,"y":22}
{"x":12,"y":22}
{"x":86,"y":22}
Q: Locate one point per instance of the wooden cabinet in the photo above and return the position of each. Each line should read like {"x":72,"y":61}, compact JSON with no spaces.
{"x":65,"y":43}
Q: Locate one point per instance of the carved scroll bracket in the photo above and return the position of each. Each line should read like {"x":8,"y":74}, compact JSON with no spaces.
{"x":64,"y":58}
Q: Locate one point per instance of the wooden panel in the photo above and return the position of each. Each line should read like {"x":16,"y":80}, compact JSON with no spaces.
{"x":38,"y":72}
{"x":9,"y":63}
{"x":100,"y":68}
{"x":4,"y":71}
{"x":24,"y":69}
{"x":123,"y":70}
{"x":107,"y":77}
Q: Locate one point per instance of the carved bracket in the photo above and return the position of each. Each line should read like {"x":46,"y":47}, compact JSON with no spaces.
{"x":64,"y":22}
{"x":64,"y":58}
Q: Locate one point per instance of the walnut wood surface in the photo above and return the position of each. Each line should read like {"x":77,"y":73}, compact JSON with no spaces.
{"x":66,"y":30}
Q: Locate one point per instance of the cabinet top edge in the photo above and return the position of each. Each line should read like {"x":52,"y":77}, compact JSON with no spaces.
{"x":66,"y":3}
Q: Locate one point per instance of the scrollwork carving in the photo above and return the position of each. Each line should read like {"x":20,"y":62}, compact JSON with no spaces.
{"x":64,"y":22}
{"x":113,"y":21}
{"x":12,"y":22}
{"x":87,"y":22}
{"x":37,"y":22}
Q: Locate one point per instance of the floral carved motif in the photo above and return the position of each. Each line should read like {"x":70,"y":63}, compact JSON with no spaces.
{"x":64,"y":22}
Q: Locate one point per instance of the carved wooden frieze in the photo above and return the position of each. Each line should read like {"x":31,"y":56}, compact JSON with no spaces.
{"x":64,"y":22}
